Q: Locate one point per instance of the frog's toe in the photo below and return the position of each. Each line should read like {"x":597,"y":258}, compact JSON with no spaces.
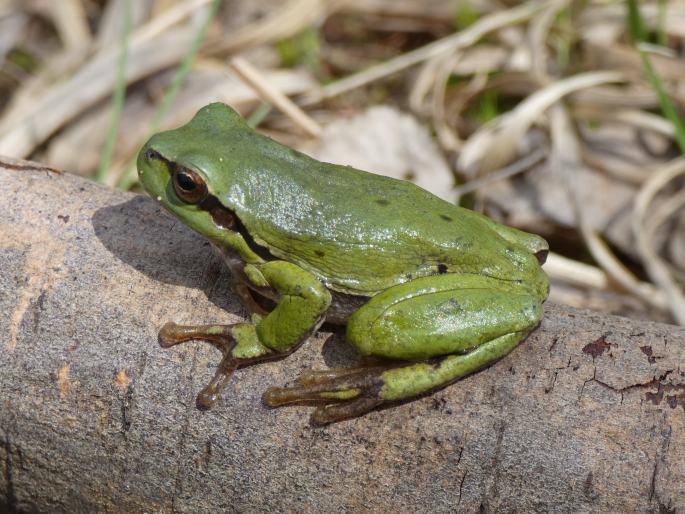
{"x":347,"y":392}
{"x":210,"y":393}
{"x":220,"y":336}
{"x":341,"y":411}
{"x":327,"y":386}
{"x":313,"y":376}
{"x":170,"y":335}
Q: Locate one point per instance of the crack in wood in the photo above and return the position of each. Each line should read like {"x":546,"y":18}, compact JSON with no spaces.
{"x":185,"y":432}
{"x":28,"y":166}
{"x":461,"y":485}
{"x":659,"y":458}
{"x":657,"y":397}
{"x":10,"y":494}
{"x":492,"y":492}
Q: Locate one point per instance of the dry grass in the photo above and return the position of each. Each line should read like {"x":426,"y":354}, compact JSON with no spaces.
{"x":543,"y":108}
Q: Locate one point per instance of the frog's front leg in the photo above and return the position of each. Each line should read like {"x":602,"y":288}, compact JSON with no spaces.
{"x":449,"y":325}
{"x":300,"y":310}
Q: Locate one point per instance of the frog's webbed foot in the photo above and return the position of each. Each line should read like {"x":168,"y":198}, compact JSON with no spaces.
{"x":237,"y":342}
{"x":345,"y":392}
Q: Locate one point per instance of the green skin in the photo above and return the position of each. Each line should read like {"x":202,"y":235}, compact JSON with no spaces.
{"x":441,"y":290}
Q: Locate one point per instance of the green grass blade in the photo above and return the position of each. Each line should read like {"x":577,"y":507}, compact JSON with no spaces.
{"x":258,"y":115}
{"x":661,"y":35}
{"x":636,"y":24}
{"x":667,"y":106}
{"x":129,"y":177}
{"x":118,"y":95}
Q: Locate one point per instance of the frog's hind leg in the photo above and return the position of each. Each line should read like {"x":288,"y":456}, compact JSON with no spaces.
{"x":347,"y":393}
{"x":447,"y":327}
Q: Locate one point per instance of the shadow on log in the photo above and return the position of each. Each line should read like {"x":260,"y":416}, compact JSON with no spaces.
{"x":586,"y":415}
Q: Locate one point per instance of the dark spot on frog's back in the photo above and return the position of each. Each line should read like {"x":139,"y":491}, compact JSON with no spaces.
{"x":382,"y":201}
{"x":442,"y":268}
{"x":451,"y":306}
{"x":446,"y":217}
{"x":319,"y":253}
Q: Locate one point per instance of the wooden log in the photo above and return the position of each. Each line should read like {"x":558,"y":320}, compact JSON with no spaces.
{"x":586,"y":415}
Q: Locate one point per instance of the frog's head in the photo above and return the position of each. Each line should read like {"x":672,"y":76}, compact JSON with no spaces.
{"x":184,"y":171}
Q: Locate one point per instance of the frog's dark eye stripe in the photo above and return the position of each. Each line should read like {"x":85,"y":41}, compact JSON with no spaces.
{"x":189,"y":186}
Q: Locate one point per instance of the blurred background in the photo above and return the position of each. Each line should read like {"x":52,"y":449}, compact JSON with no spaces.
{"x":558,"y":117}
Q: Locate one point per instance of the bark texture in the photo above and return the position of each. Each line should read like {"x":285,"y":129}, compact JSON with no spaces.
{"x":586,"y":415}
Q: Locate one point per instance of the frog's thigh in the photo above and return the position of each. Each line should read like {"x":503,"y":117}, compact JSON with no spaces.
{"x":441,"y":315}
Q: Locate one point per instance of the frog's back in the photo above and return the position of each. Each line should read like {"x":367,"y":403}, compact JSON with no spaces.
{"x":360,"y":232}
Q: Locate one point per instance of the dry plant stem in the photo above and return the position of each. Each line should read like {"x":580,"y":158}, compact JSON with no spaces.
{"x":663,"y":211}
{"x":634,"y":174}
{"x":269,"y":93}
{"x":565,"y":160}
{"x":92,"y":406}
{"x":496,"y":143}
{"x":448,"y":138}
{"x":443,"y":46}
{"x":627,"y":58}
{"x":656,"y":268}
{"x":433,"y":77}
{"x":290,"y":18}
{"x":430,"y":80}
{"x":633,"y":117}
{"x":538,"y":33}
{"x":24,"y":102}
{"x":659,"y":216}
{"x":91,"y":83}
{"x":523,"y":164}
{"x":613,"y":15}
{"x":34,"y":121}
{"x":71,"y":23}
{"x":558,"y":267}
{"x":438,"y":11}
{"x":422,"y":86}
{"x":576,"y":273}
{"x":168,"y":18}
{"x":641,"y":120}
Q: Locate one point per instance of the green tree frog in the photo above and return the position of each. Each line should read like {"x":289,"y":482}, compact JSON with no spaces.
{"x":428,"y":291}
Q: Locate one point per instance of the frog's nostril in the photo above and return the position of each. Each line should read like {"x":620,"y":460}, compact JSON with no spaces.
{"x":150,"y":154}
{"x":542,"y":256}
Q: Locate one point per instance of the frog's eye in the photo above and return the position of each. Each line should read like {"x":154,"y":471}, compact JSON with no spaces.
{"x":189,"y":186}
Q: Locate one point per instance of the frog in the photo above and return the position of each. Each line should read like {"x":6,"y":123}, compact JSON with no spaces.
{"x":426,"y":291}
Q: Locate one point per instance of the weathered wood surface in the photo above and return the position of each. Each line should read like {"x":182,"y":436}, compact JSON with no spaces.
{"x":586,"y":415}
